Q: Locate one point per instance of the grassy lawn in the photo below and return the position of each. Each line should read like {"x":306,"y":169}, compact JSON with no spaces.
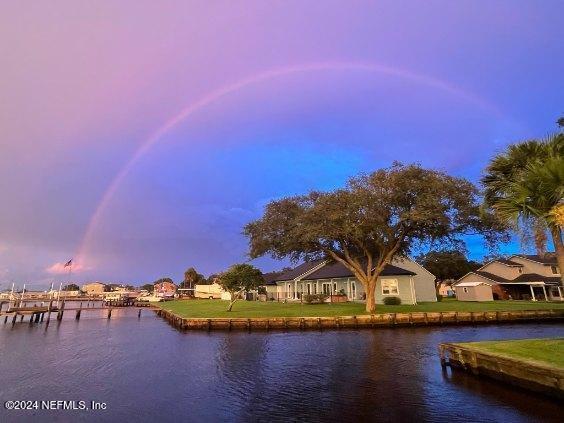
{"x":217,"y":308}
{"x":543,"y":351}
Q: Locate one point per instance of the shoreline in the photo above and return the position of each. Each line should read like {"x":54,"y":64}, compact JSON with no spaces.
{"x":367,"y":321}
{"x":524,"y":373}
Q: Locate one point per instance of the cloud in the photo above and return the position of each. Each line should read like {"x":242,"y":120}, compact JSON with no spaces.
{"x":59,"y":268}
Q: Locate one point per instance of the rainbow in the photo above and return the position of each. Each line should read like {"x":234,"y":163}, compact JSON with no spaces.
{"x":272,"y":74}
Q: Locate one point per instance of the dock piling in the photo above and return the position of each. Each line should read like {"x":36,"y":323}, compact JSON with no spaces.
{"x":61,"y":311}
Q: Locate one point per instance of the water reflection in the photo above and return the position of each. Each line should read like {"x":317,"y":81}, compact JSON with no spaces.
{"x":148,"y":371}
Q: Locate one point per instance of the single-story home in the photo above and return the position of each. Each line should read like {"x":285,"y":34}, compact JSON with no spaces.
{"x":405,"y":279}
{"x":520,"y":277}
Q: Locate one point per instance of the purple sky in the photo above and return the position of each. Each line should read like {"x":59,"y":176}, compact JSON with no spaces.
{"x":278,"y":98}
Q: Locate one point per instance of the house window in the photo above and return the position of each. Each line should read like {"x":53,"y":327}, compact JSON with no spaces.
{"x":555,"y":270}
{"x":335,"y":288}
{"x":326,"y":288}
{"x":315,"y":288}
{"x":308,"y":289}
{"x":520,"y":270}
{"x":465,"y":290}
{"x":389,"y":286}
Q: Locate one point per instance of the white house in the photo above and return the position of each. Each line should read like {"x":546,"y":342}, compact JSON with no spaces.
{"x":405,"y":279}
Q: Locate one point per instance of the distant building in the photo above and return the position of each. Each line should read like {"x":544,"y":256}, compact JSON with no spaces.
{"x":93,"y":288}
{"x":164,"y":289}
{"x":445,"y":289}
{"x":521,"y":277}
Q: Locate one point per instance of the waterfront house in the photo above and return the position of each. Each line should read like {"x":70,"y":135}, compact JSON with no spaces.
{"x":520,"y":277}
{"x":405,"y":279}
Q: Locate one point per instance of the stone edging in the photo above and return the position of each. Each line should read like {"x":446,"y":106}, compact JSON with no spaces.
{"x":535,"y":377}
{"x":361,"y":321}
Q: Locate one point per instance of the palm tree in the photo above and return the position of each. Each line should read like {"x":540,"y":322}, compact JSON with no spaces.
{"x":526,"y":184}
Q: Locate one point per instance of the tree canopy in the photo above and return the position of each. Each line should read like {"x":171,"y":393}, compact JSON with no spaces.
{"x":447,"y":264}
{"x":71,"y":287}
{"x":192,"y":278}
{"x":148,"y":287}
{"x":376,"y":217}
{"x":240,"y":278}
{"x":161,"y":280}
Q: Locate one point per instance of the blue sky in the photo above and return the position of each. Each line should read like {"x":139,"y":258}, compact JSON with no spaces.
{"x":350,"y":87}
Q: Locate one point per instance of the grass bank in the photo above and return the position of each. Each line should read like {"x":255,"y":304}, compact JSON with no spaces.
{"x":531,"y":351}
{"x":217,"y":308}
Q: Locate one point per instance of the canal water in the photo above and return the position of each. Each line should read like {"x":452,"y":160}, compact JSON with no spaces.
{"x":144,"y":370}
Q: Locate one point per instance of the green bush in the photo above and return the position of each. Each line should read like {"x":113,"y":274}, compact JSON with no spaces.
{"x":392,"y":300}
{"x":439,"y":297}
{"x":315,"y":298}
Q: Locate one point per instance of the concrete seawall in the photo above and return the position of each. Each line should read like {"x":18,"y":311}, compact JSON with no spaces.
{"x":535,"y":377}
{"x":361,"y":321}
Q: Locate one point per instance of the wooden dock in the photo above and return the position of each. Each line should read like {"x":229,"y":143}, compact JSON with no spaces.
{"x":37,"y":314}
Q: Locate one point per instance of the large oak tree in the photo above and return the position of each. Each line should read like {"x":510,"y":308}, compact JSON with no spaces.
{"x":375,"y":218}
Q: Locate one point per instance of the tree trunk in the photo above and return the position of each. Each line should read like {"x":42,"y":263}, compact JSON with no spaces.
{"x":370,"y":296}
{"x":559,"y":248}
{"x":231,"y":304}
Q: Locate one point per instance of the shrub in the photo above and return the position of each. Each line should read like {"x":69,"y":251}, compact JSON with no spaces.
{"x":439,"y":297}
{"x":315,"y":298}
{"x":392,"y":300}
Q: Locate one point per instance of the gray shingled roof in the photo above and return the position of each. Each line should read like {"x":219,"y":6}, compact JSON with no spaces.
{"x":331,"y":270}
{"x":533,"y":277}
{"x":525,"y":277}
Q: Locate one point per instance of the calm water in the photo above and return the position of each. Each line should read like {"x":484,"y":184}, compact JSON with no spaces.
{"x":147,"y":371}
